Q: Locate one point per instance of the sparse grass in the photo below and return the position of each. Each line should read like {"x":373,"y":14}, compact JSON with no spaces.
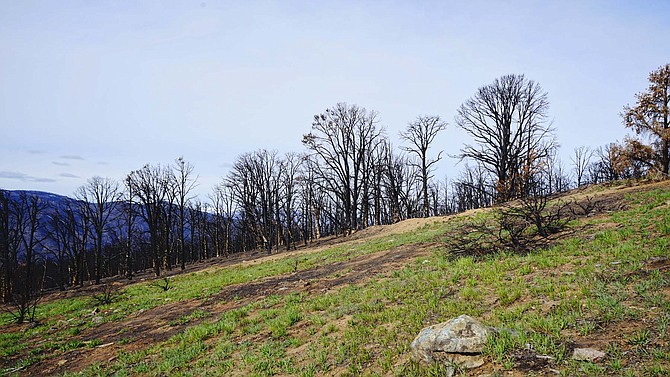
{"x":196,"y":314}
{"x":586,"y":285}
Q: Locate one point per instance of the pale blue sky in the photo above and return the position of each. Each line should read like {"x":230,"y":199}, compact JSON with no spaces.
{"x":103,"y":87}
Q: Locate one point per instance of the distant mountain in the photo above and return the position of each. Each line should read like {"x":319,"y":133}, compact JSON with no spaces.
{"x":59,"y":203}
{"x":53,"y":200}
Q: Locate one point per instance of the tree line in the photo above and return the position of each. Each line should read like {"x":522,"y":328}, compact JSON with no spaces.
{"x":349,"y":177}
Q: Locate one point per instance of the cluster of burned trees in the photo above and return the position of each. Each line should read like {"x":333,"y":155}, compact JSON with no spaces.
{"x":107,"y":229}
{"x":159,"y":197}
{"x":19,"y":241}
{"x":514,"y":150}
{"x":348,"y":179}
{"x":363,"y":181}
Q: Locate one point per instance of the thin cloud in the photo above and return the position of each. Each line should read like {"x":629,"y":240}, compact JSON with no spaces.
{"x":35,"y":151}
{"x":23,"y":177}
{"x":60,"y":163}
{"x":43,"y":180}
{"x":72,"y":157}
{"x":68,"y":175}
{"x":103,"y":163}
{"x":14,"y":175}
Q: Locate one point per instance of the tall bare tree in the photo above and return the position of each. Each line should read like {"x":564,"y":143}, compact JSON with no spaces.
{"x":507,"y":120}
{"x":60,"y":243}
{"x":101,"y":197}
{"x":420,"y":134}
{"x":340,"y":140}
{"x":130,"y":214}
{"x":183,"y":172}
{"x":312,"y":199}
{"x":76,"y":226}
{"x":650,"y":117}
{"x":556,"y":177}
{"x":151,"y":186}
{"x":11,"y":220}
{"x":224,"y":206}
{"x":29,"y":210}
{"x":581,"y":159}
{"x":291,"y":165}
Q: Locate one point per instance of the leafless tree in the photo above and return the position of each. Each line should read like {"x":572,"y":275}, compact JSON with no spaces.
{"x":241,"y":181}
{"x":291,"y":165}
{"x":340,"y":140}
{"x":420,"y":134}
{"x":255,"y":181}
{"x":507,"y":120}
{"x":11,"y":228}
{"x":553,"y":172}
{"x":200,"y":230}
{"x":152,"y":186}
{"x":401,"y":184}
{"x":7,"y":239}
{"x":101,"y":197}
{"x":77,"y":225}
{"x":29,"y":210}
{"x":473,"y":189}
{"x":312,"y":199}
{"x":581,"y":159}
{"x":130,"y":213}
{"x":60,"y":243}
{"x":185,"y":182}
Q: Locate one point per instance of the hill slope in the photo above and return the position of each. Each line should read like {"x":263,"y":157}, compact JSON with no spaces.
{"x":353,"y":307}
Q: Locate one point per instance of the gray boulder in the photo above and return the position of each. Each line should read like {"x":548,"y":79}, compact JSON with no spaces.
{"x":457,"y":342}
{"x":587,"y":354}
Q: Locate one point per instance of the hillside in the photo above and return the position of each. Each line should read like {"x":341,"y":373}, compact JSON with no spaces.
{"x":352,"y":306}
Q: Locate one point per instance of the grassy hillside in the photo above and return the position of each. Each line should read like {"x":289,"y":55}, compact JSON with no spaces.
{"x":353,"y":307}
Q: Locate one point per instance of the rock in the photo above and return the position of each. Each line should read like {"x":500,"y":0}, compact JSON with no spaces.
{"x":459,"y":341}
{"x":587,"y":354}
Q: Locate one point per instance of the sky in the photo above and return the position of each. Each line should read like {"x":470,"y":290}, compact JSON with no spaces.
{"x":104,"y":87}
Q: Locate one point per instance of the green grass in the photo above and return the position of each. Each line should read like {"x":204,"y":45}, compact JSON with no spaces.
{"x":581,"y":287}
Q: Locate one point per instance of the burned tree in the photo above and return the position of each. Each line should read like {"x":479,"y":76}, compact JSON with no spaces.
{"x":26,"y":292}
{"x":100,"y":197}
{"x":581,"y":160}
{"x":420,"y":134}
{"x":507,"y":120}
{"x":8,"y":245}
{"x":288,"y":189}
{"x":152,"y":186}
{"x":185,"y":182}
{"x":340,"y":140}
{"x":255,"y":183}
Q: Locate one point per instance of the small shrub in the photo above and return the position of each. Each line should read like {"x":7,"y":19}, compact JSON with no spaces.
{"x":165,"y":284}
{"x":106,"y":295}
